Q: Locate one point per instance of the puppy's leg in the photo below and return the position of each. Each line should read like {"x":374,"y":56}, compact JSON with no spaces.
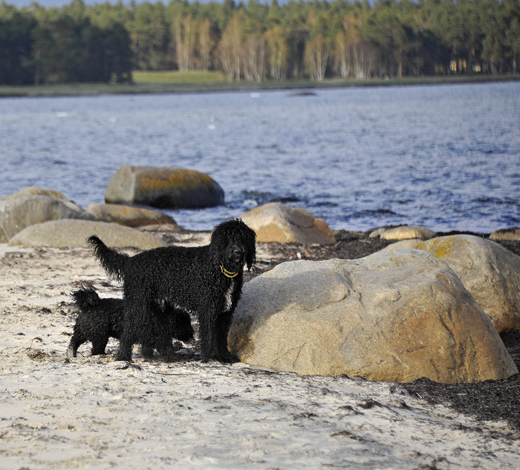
{"x":165,"y":346}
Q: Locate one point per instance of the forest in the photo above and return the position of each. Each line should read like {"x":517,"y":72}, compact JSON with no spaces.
{"x":257,"y":41}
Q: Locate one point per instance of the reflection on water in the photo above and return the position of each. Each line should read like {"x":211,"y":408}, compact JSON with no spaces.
{"x":447,"y":157}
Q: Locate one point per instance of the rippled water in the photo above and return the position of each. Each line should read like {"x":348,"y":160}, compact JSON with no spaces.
{"x":447,"y":157}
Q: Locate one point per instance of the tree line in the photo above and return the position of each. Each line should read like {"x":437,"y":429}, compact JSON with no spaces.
{"x":259,"y":41}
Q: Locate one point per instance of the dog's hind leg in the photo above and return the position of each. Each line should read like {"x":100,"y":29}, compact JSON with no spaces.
{"x":126,"y":344}
{"x":75,"y":342}
{"x":147,"y":351}
{"x":136,"y":327}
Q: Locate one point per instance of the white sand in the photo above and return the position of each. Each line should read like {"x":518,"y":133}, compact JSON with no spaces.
{"x":92,"y":412}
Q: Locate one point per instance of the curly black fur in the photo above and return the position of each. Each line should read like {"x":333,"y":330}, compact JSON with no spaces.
{"x":100,"y":319}
{"x":193,"y":279}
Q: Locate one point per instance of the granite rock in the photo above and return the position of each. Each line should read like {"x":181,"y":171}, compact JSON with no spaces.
{"x":392,"y":316}
{"x":130,"y":216}
{"x":173,"y":188}
{"x":489,"y":271}
{"x":275,"y":222}
{"x":33,"y":206}
{"x":68,"y":233}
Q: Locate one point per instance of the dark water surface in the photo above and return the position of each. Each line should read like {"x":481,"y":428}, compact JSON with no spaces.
{"x":447,"y":157}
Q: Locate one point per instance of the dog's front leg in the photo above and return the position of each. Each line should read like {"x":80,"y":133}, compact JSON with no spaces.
{"x":223,"y":325}
{"x":209,"y":331}
{"x":213,"y":337}
{"x":208,"y":349}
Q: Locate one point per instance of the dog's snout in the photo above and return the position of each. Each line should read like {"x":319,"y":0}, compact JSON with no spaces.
{"x":237,"y":254}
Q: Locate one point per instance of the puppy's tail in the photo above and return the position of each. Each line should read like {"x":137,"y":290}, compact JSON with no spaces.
{"x":86,"y":297}
{"x":112,"y":261}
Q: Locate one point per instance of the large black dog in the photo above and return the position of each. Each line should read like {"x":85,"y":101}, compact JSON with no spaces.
{"x":99,"y":319}
{"x":206,"y":280}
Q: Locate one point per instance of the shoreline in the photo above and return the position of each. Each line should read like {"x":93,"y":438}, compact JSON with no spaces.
{"x":100,"y":89}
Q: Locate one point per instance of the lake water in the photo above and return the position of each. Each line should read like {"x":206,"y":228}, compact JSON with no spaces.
{"x":446,"y":157}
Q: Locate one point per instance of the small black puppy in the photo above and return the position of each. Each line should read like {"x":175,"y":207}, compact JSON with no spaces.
{"x":100,"y":319}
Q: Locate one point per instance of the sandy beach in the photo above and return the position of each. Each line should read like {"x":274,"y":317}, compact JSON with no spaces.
{"x":93,"y":412}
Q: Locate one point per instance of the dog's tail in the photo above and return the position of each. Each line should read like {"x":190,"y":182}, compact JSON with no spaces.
{"x":86,"y":297}
{"x":112,"y":261}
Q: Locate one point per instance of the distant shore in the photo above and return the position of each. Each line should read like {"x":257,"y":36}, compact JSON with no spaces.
{"x":96,"y":89}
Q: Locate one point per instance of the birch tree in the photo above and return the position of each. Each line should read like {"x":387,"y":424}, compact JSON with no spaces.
{"x":277,"y":51}
{"x":317,"y":48}
{"x":229,"y":48}
{"x":185,"y":36}
{"x":206,"y":44}
{"x":353,"y":56}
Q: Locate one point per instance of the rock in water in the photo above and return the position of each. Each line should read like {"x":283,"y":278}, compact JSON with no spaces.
{"x":275,"y":222}
{"x":393,"y":316}
{"x":489,"y":271}
{"x":173,"y":188}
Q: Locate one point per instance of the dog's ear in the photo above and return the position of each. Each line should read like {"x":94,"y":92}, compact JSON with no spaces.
{"x":219,"y":239}
{"x":250,"y":242}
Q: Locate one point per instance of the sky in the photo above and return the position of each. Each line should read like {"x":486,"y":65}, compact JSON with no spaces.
{"x":43,"y":3}
{"x":59,"y":3}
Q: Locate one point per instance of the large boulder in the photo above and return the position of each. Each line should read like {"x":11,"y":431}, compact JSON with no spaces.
{"x":36,"y":191}
{"x":275,"y":222}
{"x":33,"y":206}
{"x":173,"y":188}
{"x":74,"y":233}
{"x":393,"y":316}
{"x":130,"y":216}
{"x":490,"y":272}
